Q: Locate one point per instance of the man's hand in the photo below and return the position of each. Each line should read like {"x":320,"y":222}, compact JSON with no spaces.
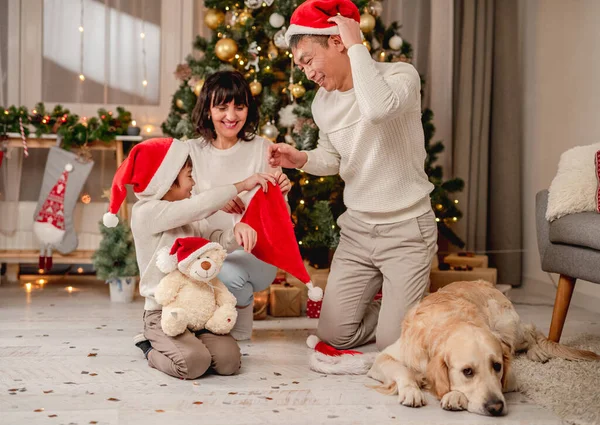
{"x":245,"y":236}
{"x":235,"y":206}
{"x":284,"y":182}
{"x":286,"y":156}
{"x":349,"y":30}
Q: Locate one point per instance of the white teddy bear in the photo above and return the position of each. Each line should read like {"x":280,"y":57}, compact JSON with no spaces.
{"x":191,"y":295}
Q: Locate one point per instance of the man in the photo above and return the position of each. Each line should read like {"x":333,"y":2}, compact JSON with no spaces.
{"x":369,"y":119}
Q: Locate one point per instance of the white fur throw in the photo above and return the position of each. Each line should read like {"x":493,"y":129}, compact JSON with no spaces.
{"x":575,"y":186}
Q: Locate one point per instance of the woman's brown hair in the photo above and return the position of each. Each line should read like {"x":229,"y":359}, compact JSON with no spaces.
{"x":221,"y":88}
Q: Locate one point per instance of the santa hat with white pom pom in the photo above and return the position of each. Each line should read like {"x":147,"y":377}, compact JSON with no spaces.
{"x":151,"y":168}
{"x":331,"y":361}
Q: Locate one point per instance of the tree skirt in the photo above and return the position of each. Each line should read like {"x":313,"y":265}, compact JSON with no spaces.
{"x":570,"y":389}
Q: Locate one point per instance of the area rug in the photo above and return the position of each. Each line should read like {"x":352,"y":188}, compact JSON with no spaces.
{"x":570,"y":389}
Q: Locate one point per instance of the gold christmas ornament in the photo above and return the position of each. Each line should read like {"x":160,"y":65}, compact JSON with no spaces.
{"x":255,"y":88}
{"x":298,"y":90}
{"x":244,"y":16}
{"x":179,"y":103}
{"x":367,"y":45}
{"x":213,"y":18}
{"x":269,"y":131}
{"x":367,"y":22}
{"x":375,"y":8}
{"x":272,"y":51}
{"x":225,"y":49}
{"x":198,"y":87}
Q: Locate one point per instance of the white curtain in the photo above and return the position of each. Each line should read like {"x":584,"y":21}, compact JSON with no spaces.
{"x":428,"y":26}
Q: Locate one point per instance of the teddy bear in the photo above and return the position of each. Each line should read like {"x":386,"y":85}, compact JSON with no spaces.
{"x":191,"y":294}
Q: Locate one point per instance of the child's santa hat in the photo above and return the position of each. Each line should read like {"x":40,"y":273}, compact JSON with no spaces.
{"x":331,"y":361}
{"x":183,"y":252}
{"x":276,"y":242}
{"x":151,"y":168}
{"x":311,"y":17}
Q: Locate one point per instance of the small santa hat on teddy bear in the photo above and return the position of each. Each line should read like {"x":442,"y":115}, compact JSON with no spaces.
{"x":182,"y":253}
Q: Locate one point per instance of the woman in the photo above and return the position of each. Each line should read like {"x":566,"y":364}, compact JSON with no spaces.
{"x":226,"y":118}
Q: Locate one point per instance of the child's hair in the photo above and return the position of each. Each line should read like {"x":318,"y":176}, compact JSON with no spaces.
{"x":188,"y":163}
{"x":221,"y":88}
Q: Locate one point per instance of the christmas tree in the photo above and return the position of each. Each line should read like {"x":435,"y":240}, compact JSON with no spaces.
{"x":249,"y":36}
{"x":116,"y":255}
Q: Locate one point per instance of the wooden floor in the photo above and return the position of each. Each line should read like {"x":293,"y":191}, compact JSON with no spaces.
{"x":68,"y":358}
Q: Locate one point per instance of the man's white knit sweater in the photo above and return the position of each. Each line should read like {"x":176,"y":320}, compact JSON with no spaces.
{"x":372,"y":136}
{"x":156,"y":223}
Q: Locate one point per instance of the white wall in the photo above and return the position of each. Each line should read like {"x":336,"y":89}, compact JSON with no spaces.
{"x":561,"y":65}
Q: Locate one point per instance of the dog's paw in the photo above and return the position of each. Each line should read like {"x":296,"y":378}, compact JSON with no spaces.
{"x":536,"y":354}
{"x":454,"y":400}
{"x":411,"y":396}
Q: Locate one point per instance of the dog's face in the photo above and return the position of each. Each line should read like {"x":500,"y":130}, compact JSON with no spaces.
{"x":474,"y":362}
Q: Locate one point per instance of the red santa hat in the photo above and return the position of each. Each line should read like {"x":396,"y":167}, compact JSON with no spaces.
{"x":311,"y":17}
{"x":276,"y":242}
{"x":182,"y":253}
{"x":151,"y":168}
{"x":331,"y":361}
{"x":49,"y":225}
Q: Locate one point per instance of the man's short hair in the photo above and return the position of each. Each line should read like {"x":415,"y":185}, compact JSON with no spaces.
{"x":297,"y":38}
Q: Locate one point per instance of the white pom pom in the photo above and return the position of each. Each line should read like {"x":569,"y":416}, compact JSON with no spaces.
{"x":165,"y":262}
{"x":314,"y":292}
{"x":110,"y":220}
{"x":312,"y":341}
{"x":68,"y":168}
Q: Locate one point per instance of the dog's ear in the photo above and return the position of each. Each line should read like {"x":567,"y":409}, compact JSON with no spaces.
{"x":506,"y":364}
{"x":437,"y":376}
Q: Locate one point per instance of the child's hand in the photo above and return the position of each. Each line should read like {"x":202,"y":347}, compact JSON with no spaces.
{"x":255,"y":180}
{"x":245,"y":236}
{"x":284,"y":182}
{"x":235,"y":206}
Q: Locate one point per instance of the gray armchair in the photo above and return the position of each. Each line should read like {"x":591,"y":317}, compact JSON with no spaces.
{"x":569,"y":246}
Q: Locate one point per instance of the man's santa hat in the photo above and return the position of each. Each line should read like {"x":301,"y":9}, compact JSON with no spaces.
{"x":151,"y":168}
{"x":311,"y":17}
{"x":276,"y":242}
{"x":331,"y":361}
{"x":183,"y":253}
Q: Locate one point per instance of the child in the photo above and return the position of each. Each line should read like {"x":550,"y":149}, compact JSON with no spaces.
{"x":160,"y":171}
{"x":228,"y":150}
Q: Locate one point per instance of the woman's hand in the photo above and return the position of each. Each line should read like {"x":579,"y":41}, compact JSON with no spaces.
{"x":245,"y":236}
{"x":235,"y":206}
{"x":284,"y":182}
{"x":254,"y":180}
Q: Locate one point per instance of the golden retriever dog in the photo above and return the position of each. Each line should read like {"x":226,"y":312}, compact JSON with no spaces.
{"x":458,"y":343}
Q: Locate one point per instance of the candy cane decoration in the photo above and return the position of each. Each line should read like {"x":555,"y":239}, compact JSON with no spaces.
{"x":23,"y":138}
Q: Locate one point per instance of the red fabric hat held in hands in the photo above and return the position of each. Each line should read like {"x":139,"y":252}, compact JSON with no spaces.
{"x":311,"y":17}
{"x":276,"y":242}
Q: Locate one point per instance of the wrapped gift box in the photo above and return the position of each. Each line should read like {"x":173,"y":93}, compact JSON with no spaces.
{"x":261,"y":303}
{"x":313,"y":309}
{"x":285,"y":300}
{"x":467,"y":259}
{"x":440,"y":278}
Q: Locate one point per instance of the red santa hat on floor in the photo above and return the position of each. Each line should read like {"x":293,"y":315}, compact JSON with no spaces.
{"x":311,"y":17}
{"x":151,"y":168}
{"x":182,"y":253}
{"x":331,"y":361}
{"x":276,"y":242}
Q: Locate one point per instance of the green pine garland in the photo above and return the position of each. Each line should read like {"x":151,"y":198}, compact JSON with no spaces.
{"x":75,"y":133}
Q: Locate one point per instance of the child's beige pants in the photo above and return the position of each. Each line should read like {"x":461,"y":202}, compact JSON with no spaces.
{"x":188,"y":356}
{"x":394,"y":256}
